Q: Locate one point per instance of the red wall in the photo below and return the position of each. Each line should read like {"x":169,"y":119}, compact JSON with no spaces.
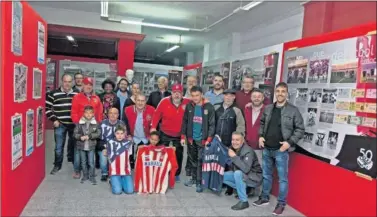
{"x":19,"y":185}
{"x":318,"y":188}
{"x":327,"y":16}
{"x":126,"y":52}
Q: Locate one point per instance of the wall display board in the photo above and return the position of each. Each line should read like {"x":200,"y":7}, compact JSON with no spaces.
{"x":334,"y":87}
{"x":98,"y":71}
{"x":51,"y":75}
{"x":192,"y":70}
{"x":221,"y":69}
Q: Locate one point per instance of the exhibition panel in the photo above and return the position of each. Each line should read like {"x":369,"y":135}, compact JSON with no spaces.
{"x":23,"y":68}
{"x":332,"y":78}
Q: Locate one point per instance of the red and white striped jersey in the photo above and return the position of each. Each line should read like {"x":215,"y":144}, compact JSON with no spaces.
{"x":155,"y":169}
{"x":119,"y":157}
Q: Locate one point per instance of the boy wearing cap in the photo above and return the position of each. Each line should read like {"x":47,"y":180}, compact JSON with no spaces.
{"x":170,"y":112}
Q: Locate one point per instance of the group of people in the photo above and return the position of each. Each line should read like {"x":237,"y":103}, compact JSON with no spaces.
{"x":112,"y":125}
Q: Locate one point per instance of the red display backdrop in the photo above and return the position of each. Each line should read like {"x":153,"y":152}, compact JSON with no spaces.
{"x":318,"y":188}
{"x":18,"y":185}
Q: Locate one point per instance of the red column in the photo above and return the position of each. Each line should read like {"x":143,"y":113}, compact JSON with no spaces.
{"x":126,"y":50}
{"x":322,"y":16}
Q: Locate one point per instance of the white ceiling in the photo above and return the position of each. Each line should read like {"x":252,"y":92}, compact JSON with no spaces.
{"x":188,"y":14}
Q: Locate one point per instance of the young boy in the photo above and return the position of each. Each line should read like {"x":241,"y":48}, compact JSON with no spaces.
{"x":154,"y":139}
{"x":118,"y":151}
{"x":86,"y":133}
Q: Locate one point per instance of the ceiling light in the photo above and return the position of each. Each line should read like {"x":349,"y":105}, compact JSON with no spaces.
{"x":172,"y":48}
{"x":70,"y":38}
{"x":154,"y":25}
{"x":251,"y":5}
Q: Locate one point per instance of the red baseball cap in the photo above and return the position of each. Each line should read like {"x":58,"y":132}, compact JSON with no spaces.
{"x":88,"y":80}
{"x":177,"y":87}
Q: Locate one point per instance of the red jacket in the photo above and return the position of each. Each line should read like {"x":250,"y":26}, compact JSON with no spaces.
{"x":170,"y":116}
{"x":252,"y":134}
{"x":79,"y":101}
{"x":131,"y":114}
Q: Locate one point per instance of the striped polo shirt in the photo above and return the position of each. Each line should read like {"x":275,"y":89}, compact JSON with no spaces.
{"x":58,"y":106}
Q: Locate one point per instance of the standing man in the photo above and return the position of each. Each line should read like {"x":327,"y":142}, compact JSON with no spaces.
{"x":245,"y":170}
{"x":78,"y":81}
{"x":243,"y":96}
{"x":191,"y":81}
{"x":123,"y":94}
{"x":253,"y":116}
{"x":58,"y":110}
{"x":281,"y":127}
{"x":170,"y":112}
{"x":198,"y":128}
{"x":139,"y":118}
{"x":216,"y":95}
{"x":156,"y":96}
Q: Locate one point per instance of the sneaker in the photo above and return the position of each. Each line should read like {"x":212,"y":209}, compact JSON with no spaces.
{"x":177,"y":179}
{"x":104,"y":178}
{"x":240,"y":206}
{"x":279,"y":209}
{"x":93,"y":181}
{"x":261,"y":202}
{"x":250,"y":192}
{"x":189,"y":183}
{"x":199,"y":188}
{"x":229,"y":191}
{"x":76,"y":175}
{"x":54,"y":170}
{"x":84,"y":178}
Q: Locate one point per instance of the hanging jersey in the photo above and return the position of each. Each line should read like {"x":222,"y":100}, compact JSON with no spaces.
{"x":155,"y":169}
{"x":215,"y":157}
{"x":119,"y":157}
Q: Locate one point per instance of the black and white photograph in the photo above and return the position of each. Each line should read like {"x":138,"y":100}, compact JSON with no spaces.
{"x":20,"y":82}
{"x":292,"y":93}
{"x":315,"y":96}
{"x":175,"y":77}
{"x":16,"y":45}
{"x":308,"y":137}
{"x":297,"y":70}
{"x":268,"y":91}
{"x":318,"y":71}
{"x":344,"y":93}
{"x":311,"y":118}
{"x":326,"y":117}
{"x":41,"y":43}
{"x":208,"y":73}
{"x":39,"y":126}
{"x":332,"y":140}
{"x":329,"y":97}
{"x":51,"y":74}
{"x":148,"y":78}
{"x":344,"y":73}
{"x":29,"y":132}
{"x":252,"y":67}
{"x":320,"y":138}
{"x":37,"y":83}
{"x":302,"y":96}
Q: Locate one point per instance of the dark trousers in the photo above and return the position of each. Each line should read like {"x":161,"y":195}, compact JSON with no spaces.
{"x":60,"y":134}
{"x":87,"y":162}
{"x":176,"y":141}
{"x":195,"y":157}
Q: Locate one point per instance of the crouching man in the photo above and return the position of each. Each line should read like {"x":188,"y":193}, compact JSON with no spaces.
{"x":245,"y":170}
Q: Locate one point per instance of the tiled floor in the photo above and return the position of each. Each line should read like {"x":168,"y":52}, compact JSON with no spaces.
{"x":60,"y":195}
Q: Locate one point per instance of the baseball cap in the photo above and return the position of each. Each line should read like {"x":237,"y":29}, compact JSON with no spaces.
{"x":231,"y":91}
{"x":87,"y":80}
{"x":177,"y":87}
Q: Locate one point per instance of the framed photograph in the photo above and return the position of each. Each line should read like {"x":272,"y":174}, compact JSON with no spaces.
{"x":29,"y":132}
{"x":297,"y":70}
{"x":16,"y":133}
{"x":37,"y":83}
{"x":20,"y":82}
{"x":41,"y":43}
{"x":16,"y":45}
{"x":39,"y":126}
{"x":318,"y":72}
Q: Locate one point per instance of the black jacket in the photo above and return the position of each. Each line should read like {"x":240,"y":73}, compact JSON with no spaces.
{"x":227,"y":121}
{"x":156,"y":96}
{"x":208,"y":122}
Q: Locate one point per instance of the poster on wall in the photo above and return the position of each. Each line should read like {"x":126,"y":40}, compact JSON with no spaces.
{"x":175,"y":77}
{"x":39,"y":126}
{"x":20,"y":82}
{"x":333,"y":85}
{"x":37,"y":83}
{"x":41,"y":43}
{"x":29,"y":132}
{"x":16,"y":140}
{"x":16,"y":46}
{"x":51,"y":74}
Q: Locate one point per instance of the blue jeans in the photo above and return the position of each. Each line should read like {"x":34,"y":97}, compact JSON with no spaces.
{"x":77,"y":161}
{"x":122,"y":183}
{"x":103,"y":163}
{"x":281,"y":160}
{"x":235,"y":180}
{"x":60,"y":134}
{"x":87,"y":158}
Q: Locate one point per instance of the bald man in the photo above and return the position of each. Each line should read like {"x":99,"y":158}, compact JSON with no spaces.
{"x":162,"y":92}
{"x":191,"y":81}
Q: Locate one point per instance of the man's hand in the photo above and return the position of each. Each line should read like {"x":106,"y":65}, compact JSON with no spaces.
{"x":261,"y":142}
{"x":153,"y":129}
{"x":83,"y":138}
{"x":183,"y":142}
{"x":248,"y":105}
{"x":56,"y":124}
{"x":231,"y":153}
{"x":284,"y":146}
{"x":104,"y":152}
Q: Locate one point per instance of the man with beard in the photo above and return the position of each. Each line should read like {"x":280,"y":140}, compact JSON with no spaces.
{"x":170,"y":112}
{"x":281,"y":127}
{"x":216,"y":95}
{"x":191,"y":81}
{"x":123,"y":94}
{"x":243,"y":96}
{"x":78,"y":81}
{"x":108,"y":98}
{"x":162,"y":92}
{"x":198,"y":127}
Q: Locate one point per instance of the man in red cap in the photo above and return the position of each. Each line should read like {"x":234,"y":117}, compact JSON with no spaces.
{"x":170,"y":112}
{"x":79,"y":102}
